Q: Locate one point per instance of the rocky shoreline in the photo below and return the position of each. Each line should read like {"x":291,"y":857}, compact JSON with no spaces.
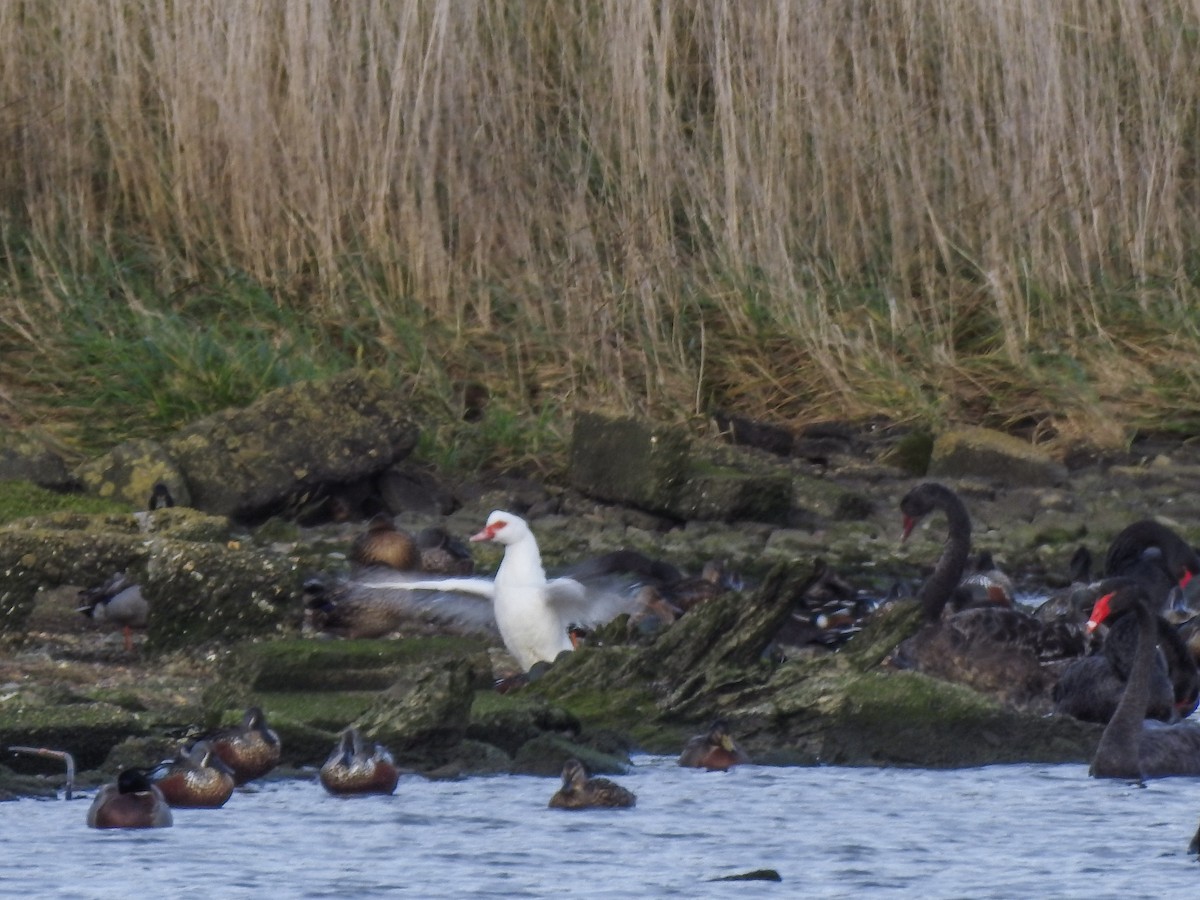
{"x":260,"y":489}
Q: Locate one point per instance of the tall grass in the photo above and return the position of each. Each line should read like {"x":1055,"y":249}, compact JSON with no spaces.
{"x":941,"y":210}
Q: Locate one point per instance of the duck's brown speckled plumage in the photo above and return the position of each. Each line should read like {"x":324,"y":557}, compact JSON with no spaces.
{"x":579,"y":791}
{"x":251,"y":749}
{"x":355,"y":767}
{"x":196,"y":778}
{"x":383,"y":544}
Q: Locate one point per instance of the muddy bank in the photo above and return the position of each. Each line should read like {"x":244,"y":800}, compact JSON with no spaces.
{"x":225,"y":627}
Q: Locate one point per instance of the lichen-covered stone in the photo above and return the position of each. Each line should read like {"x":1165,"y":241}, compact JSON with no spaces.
{"x":425,"y":713}
{"x":250,"y":462}
{"x":624,"y":460}
{"x":211,"y":592}
{"x":129,"y":471}
{"x":999,"y":457}
{"x":546,"y":753}
{"x":727,"y":494}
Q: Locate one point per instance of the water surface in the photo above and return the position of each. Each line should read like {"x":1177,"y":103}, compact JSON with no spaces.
{"x":1001,"y":831}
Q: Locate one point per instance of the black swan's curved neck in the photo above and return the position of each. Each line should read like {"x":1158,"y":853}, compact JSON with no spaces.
{"x":948,"y":572}
{"x":1118,"y":756}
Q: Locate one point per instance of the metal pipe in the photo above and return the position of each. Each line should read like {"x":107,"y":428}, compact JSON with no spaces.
{"x":52,"y":754}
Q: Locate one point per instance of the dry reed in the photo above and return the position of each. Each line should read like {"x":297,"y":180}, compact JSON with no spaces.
{"x":804,"y":208}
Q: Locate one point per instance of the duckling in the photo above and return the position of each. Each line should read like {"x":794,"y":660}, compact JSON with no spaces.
{"x":383,"y":544}
{"x":133,"y":802}
{"x":250,"y":749}
{"x":355,"y":768}
{"x":579,"y":791}
{"x":118,"y":601}
{"x":715,"y":750}
{"x":195,"y":778}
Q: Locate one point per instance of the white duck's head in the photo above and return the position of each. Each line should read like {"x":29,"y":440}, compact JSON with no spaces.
{"x":503,"y":528}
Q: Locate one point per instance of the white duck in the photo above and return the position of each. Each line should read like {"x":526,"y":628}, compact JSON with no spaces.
{"x":532,"y":613}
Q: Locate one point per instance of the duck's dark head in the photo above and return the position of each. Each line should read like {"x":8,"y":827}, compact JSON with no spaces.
{"x":133,"y":781}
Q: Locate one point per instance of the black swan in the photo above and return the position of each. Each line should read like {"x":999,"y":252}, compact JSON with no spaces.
{"x":994,"y":649}
{"x":1090,"y":688}
{"x":1131,"y":746}
{"x":1155,"y":555}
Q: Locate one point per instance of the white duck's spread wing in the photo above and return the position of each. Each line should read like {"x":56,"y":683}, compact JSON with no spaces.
{"x":484,"y":588}
{"x":590,"y":605}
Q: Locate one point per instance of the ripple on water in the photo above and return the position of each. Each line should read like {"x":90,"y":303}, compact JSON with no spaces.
{"x":1001,"y":831}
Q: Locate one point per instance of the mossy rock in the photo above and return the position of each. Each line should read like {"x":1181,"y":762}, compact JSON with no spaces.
{"x":329,"y":712}
{"x":727,"y":494}
{"x":249,"y":463}
{"x":201,"y":593}
{"x":984,"y":453}
{"x":509,"y":721}
{"x":425,"y":714}
{"x":546,"y":754}
{"x":88,"y":731}
{"x":626,"y":460}
{"x":26,"y":457}
{"x":299,"y":664}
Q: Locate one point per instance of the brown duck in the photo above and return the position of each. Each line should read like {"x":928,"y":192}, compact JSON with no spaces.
{"x":195,"y":778}
{"x":355,"y":767}
{"x":715,"y":750}
{"x":133,"y":802}
{"x":579,"y":791}
{"x":250,"y":749}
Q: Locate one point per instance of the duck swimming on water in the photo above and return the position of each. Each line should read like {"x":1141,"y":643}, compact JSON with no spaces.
{"x":132,"y":802}
{"x":579,"y":791}
{"x":715,"y":750}
{"x":195,"y":778}
{"x":251,"y":749}
{"x":358,"y":767}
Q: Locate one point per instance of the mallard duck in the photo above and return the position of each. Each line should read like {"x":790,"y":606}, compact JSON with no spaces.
{"x":715,"y":750}
{"x":195,"y":778}
{"x":578,"y":791}
{"x":250,"y":749}
{"x":357,"y":768}
{"x":133,"y":802}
